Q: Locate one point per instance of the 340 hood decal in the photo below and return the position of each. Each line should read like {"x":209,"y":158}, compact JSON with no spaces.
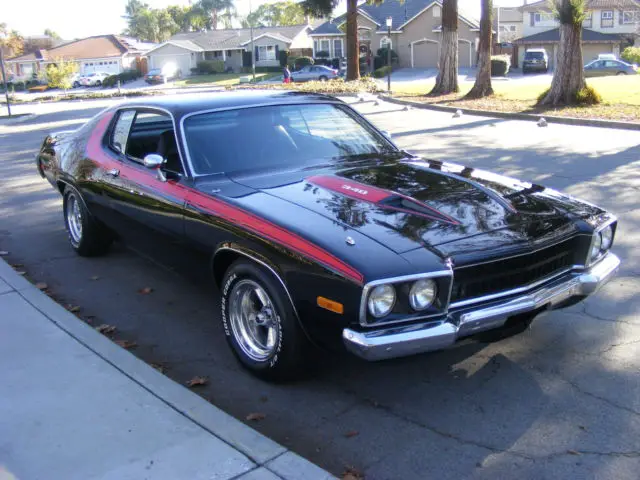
{"x":382,"y":198}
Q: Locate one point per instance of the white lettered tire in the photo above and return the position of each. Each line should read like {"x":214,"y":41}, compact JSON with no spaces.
{"x":260,"y":324}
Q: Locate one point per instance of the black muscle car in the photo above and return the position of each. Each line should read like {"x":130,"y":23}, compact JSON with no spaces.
{"x":320,"y":230}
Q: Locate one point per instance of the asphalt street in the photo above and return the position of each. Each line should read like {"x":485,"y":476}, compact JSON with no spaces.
{"x":559,"y":401}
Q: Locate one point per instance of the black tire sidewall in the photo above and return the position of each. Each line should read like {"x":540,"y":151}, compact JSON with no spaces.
{"x":287,"y":354}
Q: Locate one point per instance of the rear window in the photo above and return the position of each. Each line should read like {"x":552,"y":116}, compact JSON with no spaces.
{"x":534,"y":55}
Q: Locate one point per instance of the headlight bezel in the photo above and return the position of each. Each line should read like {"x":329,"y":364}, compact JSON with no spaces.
{"x":402,"y":311}
{"x":594,"y":256}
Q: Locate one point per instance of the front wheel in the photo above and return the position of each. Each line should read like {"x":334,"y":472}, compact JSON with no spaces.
{"x":87,"y":237}
{"x":76,"y":84}
{"x":260,"y":324}
{"x":323,"y":78}
{"x":621,"y":73}
{"x":98,"y":83}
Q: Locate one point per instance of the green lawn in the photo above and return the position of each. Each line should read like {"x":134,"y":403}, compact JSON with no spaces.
{"x":623,"y":90}
{"x":219,"y":79}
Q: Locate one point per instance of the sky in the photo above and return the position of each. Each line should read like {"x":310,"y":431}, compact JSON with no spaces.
{"x":83,"y":18}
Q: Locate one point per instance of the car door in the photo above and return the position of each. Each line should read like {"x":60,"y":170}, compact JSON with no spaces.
{"x":143,"y":202}
{"x":303,"y":74}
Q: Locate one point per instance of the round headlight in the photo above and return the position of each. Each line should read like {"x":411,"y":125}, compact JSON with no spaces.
{"x":597,"y":245}
{"x":607,"y":238}
{"x":422,"y":294}
{"x":381,"y":300}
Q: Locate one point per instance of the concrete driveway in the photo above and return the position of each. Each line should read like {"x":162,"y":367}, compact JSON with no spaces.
{"x":559,"y":401}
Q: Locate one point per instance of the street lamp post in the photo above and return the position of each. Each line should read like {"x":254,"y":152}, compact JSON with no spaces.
{"x":389,"y":23}
{"x":4,"y":81}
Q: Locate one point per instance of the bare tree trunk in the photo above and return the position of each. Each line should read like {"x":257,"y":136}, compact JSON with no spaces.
{"x":568,"y":77}
{"x":214,"y":19}
{"x":482,"y":87}
{"x":353,"y":49}
{"x":447,"y":79}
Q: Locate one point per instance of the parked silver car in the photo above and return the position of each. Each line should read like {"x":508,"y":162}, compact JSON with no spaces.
{"x":314,"y":72}
{"x":601,"y":68}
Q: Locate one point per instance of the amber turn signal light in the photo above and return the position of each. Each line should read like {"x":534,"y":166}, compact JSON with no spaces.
{"x":330,"y":305}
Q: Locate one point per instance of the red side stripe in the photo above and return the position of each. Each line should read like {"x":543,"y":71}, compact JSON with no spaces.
{"x":217,"y":207}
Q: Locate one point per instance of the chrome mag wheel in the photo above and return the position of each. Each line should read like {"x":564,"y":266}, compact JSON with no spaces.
{"x":74,"y":219}
{"x":253,"y":320}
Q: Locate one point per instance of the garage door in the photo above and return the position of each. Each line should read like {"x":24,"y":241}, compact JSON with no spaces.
{"x":183,"y":62}
{"x":106,"y":66}
{"x":425,"y":55}
{"x":464,"y":54}
{"x":592,"y":50}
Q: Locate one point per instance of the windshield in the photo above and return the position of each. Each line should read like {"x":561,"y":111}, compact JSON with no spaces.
{"x":534,"y":55}
{"x":155,"y":71}
{"x":279,"y":136}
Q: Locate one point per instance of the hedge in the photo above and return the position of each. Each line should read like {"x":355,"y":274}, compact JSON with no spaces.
{"x":631,"y":55}
{"x":298,"y":62}
{"x":382,"y":72}
{"x":124,"y":77}
{"x":500,"y":65}
{"x":211,"y":66}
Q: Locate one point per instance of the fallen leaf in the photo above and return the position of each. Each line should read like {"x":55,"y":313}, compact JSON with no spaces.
{"x":352,"y":433}
{"x":145,"y":291}
{"x":3,"y":253}
{"x":126,"y":344}
{"x":95,"y":277}
{"x":197,"y":381}
{"x":73,"y":308}
{"x":158,"y":366}
{"x":106,"y":329}
{"x":582,"y":427}
{"x":573,"y":452}
{"x":256,"y":417}
{"x":351,"y":473}
{"x":41,"y":286}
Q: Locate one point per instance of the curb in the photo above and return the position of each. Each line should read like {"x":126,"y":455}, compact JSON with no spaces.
{"x":278,"y":461}
{"x":586,"y":122}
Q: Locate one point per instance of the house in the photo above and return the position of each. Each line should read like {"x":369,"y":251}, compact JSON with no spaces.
{"x":507,"y":23}
{"x":610,"y":26}
{"x":103,"y":53}
{"x":415,"y":33}
{"x":185,"y":50}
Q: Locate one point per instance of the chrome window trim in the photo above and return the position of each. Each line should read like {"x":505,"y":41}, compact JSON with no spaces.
{"x":126,"y":106}
{"x":327,"y":101}
{"x":268,"y":267}
{"x":597,"y":230}
{"x":402,"y":279}
{"x":514,"y":291}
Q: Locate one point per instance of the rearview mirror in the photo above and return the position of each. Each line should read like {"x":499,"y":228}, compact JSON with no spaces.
{"x":155,"y":161}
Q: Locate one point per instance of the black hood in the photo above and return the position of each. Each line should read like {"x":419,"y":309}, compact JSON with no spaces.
{"x":448,"y":209}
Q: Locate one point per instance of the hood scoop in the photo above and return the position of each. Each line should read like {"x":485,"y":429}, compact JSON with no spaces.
{"x":383,"y":199}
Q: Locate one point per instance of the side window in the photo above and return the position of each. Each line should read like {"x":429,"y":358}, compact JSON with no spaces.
{"x":152,"y":132}
{"x":121,"y":131}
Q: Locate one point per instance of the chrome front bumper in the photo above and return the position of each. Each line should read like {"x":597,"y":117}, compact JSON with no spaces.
{"x":399,"y":341}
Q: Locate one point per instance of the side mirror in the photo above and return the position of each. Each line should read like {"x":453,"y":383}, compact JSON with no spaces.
{"x":155,"y":161}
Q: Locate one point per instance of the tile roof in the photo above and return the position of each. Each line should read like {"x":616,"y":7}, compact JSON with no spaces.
{"x":553,"y":36}
{"x":235,"y":38}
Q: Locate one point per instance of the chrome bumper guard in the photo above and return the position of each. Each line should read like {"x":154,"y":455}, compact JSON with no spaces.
{"x":399,"y":341}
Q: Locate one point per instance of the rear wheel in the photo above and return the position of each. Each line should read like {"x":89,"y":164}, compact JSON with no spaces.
{"x":621,"y":73}
{"x":323,"y":78}
{"x":260,"y":324}
{"x":87,"y":237}
{"x":98,"y":83}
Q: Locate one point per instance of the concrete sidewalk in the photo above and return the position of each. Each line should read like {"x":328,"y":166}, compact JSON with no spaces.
{"x":76,"y":406}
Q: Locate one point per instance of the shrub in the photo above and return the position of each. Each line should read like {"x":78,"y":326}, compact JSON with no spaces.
{"x":322,"y":54}
{"x":631,"y":55}
{"x":500,"y":65}
{"x":382,"y":52}
{"x":283,"y":57}
{"x":110,"y":81}
{"x":382,"y":72}
{"x":211,"y":66}
{"x":195,"y":71}
{"x":303,"y":62}
{"x":59,"y":74}
{"x":335,"y":86}
{"x":588,"y":96}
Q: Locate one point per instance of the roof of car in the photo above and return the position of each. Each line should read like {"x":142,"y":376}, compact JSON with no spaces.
{"x":182,"y":104}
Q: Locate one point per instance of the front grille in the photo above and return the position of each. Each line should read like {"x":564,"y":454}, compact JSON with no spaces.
{"x":501,"y":275}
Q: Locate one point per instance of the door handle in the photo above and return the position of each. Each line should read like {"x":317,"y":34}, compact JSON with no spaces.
{"x":114,"y":172}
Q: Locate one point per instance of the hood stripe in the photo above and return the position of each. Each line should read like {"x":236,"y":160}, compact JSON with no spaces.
{"x":216,"y":206}
{"x":377,"y":196}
